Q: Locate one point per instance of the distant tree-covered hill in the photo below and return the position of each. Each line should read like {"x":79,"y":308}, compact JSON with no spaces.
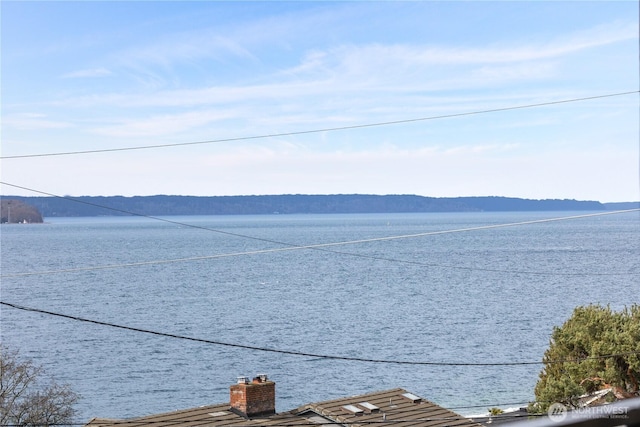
{"x":290,"y":204}
{"x":621,"y":206}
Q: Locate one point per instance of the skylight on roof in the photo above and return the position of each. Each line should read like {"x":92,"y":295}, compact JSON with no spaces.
{"x":353,"y":409}
{"x":412,"y":397}
{"x":369,"y":406}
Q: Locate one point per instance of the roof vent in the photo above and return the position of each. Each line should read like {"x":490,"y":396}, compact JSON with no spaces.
{"x":412,"y":397}
{"x":354,"y":410}
{"x":369,"y":407}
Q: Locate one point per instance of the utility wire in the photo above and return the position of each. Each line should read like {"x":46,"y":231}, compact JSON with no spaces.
{"x":156,"y":218}
{"x":144,"y":421}
{"x":302,"y":421}
{"x":320,"y":246}
{"x":310,"y":247}
{"x":304,"y":354}
{"x":333,"y":129}
{"x":317,"y":247}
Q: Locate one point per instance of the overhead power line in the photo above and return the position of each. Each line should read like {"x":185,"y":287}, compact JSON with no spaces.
{"x":505,"y":416}
{"x":324,"y":247}
{"x":155,"y":218}
{"x":332,"y":129}
{"x":145,"y":421}
{"x":305,"y":354}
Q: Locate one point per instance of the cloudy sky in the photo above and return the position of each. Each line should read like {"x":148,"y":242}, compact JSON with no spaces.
{"x":275,"y":94}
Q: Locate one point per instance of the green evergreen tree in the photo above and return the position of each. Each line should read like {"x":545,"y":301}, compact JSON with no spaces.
{"x":574,"y":366}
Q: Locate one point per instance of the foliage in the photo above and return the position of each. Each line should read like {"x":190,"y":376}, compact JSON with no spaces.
{"x":573,"y":365}
{"x":26,"y":399}
{"x":15,"y":211}
{"x":293,"y":204}
{"x":495,"y":411}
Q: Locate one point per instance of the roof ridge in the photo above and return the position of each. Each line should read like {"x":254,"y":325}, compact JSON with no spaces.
{"x":372,"y":393}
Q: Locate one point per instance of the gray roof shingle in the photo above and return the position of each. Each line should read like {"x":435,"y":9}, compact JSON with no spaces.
{"x":384,"y":407}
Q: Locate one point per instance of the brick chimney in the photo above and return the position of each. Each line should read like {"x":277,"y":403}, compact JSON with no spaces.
{"x":253,"y":399}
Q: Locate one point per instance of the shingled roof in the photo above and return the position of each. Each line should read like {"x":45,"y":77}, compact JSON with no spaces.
{"x":397,"y":407}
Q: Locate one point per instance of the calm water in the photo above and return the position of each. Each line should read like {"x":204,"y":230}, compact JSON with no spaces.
{"x":481,"y":295}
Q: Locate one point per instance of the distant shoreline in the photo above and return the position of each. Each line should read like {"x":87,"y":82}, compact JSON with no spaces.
{"x":298,"y":204}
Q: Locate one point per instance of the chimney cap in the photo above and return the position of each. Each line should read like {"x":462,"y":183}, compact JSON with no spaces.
{"x":243,"y":380}
{"x":261,"y":378}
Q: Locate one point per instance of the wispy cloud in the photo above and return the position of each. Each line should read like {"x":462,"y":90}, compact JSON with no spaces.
{"x":335,"y":86}
{"x":32,"y":121}
{"x":371,"y":59}
{"x":349,"y":69}
{"x":88,"y":72}
{"x":230,"y":70}
{"x":182,"y":48}
{"x":162,"y":124}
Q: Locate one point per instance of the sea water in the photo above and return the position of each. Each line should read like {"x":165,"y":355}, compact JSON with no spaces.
{"x":417,"y":295}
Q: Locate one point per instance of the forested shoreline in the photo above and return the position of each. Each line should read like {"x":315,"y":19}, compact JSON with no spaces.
{"x":295,"y":204}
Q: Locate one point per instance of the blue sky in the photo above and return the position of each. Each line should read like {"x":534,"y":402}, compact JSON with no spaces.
{"x":82,"y":76}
